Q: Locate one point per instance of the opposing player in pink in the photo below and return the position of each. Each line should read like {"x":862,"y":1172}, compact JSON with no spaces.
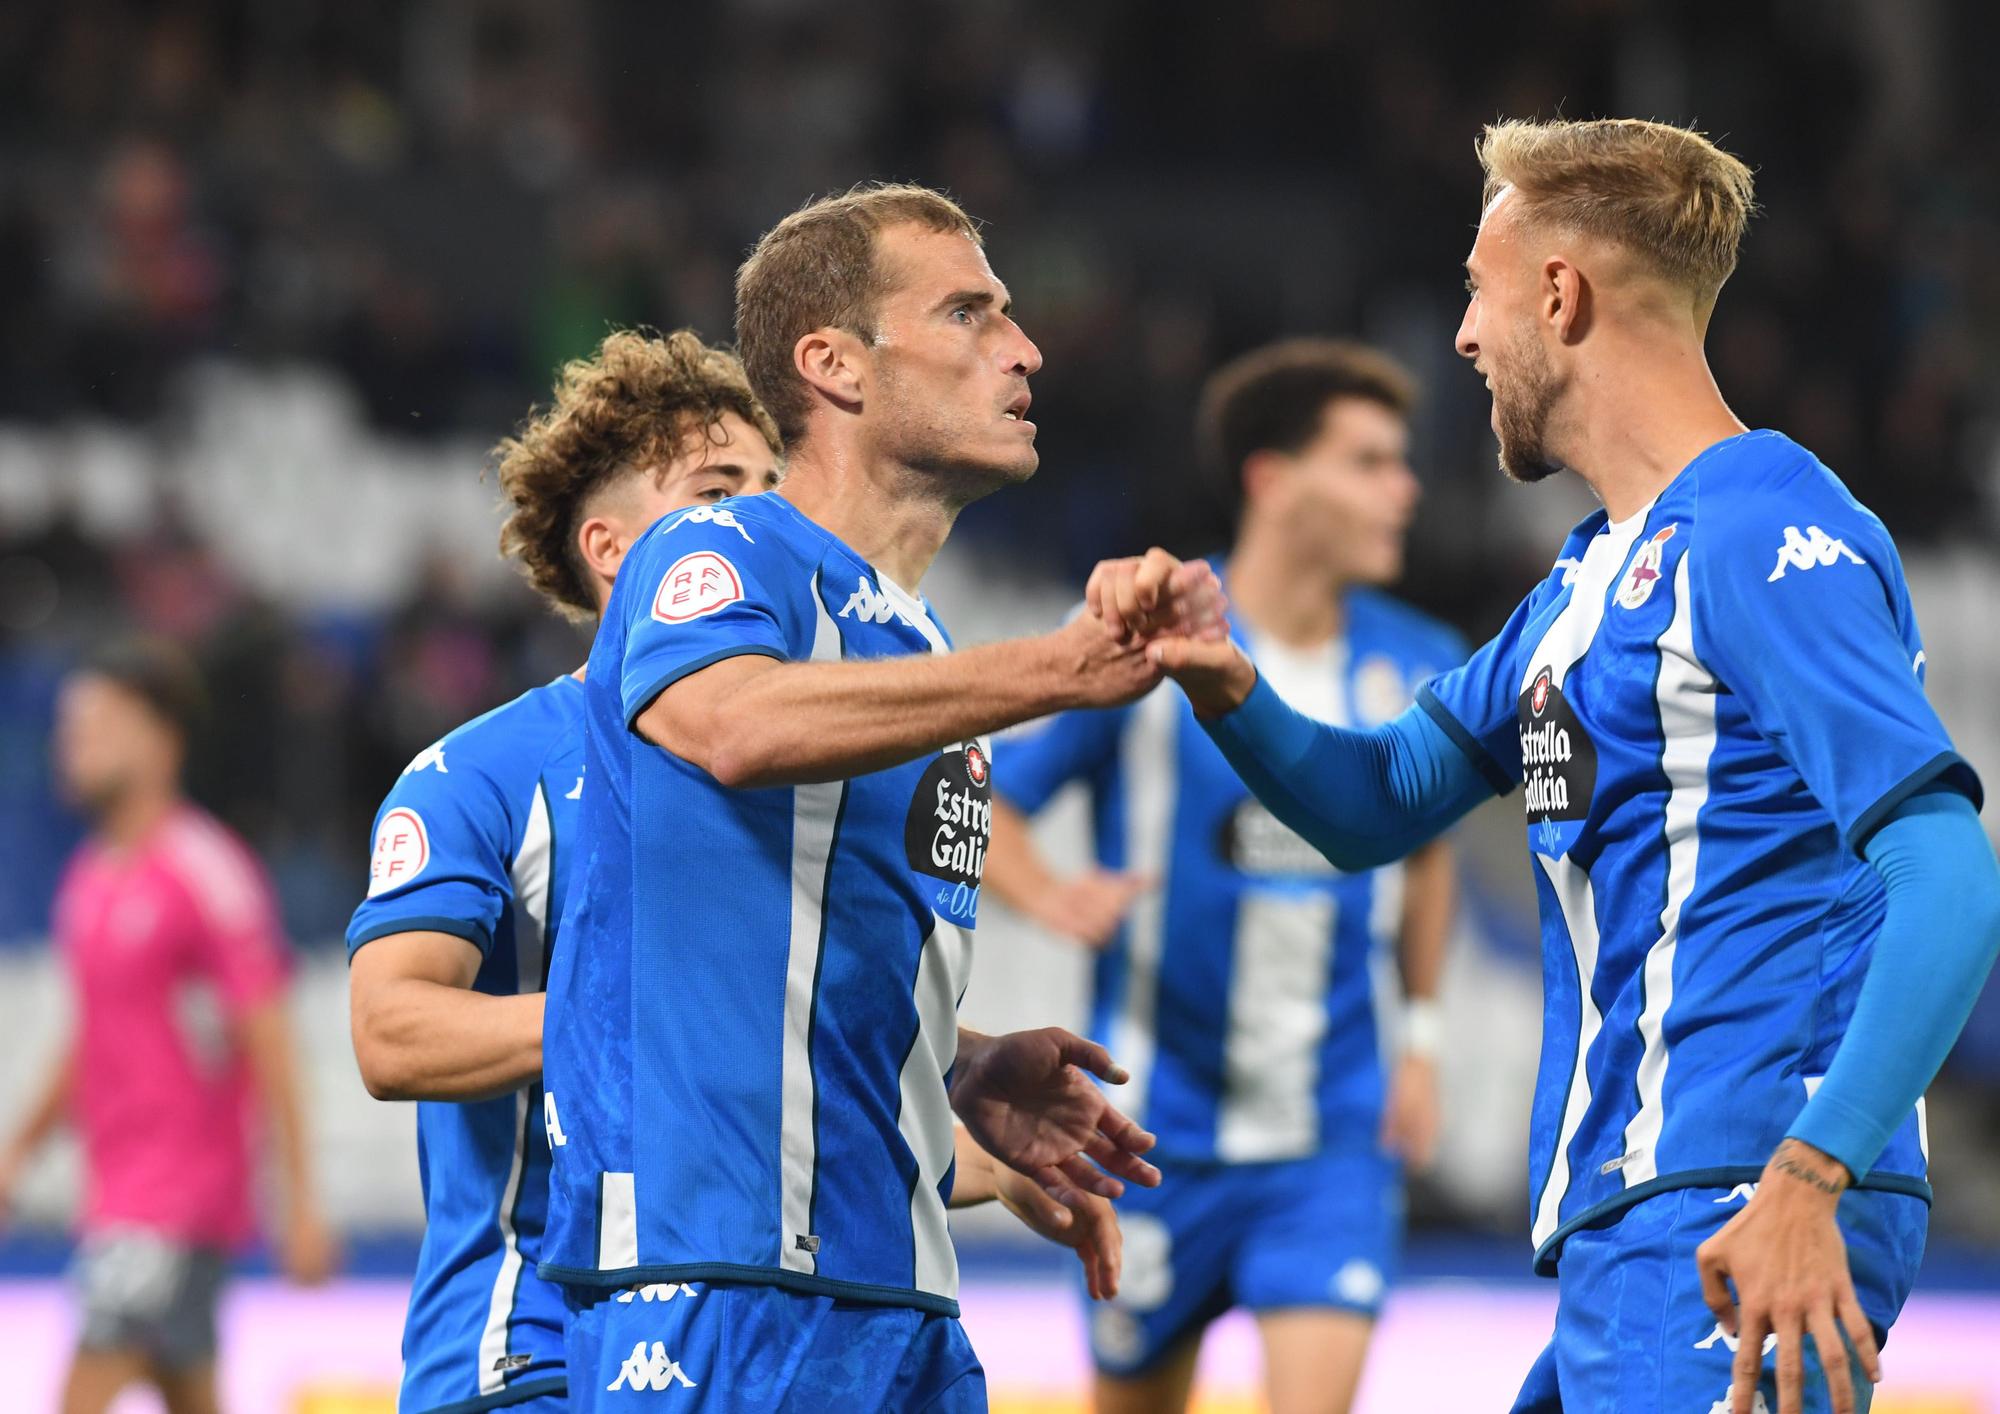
{"x":169,"y":937}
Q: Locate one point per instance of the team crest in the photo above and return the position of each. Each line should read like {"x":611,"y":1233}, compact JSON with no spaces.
{"x":696,"y":586}
{"x":1637,"y":586}
{"x":1538,"y":696}
{"x":975,"y":765}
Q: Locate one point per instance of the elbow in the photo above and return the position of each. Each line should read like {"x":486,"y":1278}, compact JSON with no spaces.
{"x":385,"y":1070}
{"x":733,"y":765}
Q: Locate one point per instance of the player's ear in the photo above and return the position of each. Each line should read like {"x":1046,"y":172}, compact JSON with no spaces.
{"x":1261,"y":473}
{"x":831,"y":362}
{"x":1565,"y":299}
{"x":602,"y":543}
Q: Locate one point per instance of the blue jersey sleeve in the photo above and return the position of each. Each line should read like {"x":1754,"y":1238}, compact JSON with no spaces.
{"x":1034,"y":763}
{"x":709,"y":585}
{"x":1477,"y":703}
{"x":444,"y":844}
{"x":1800,"y":609}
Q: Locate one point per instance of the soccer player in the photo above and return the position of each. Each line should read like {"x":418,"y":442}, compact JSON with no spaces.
{"x":169,"y":931}
{"x":1767,"y":903}
{"x":474,"y":850}
{"x":752,"y":1021}
{"x":1242,"y":990}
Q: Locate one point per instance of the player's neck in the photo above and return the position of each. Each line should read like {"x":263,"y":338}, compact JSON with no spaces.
{"x":1636,"y":427}
{"x":876,"y":509}
{"x":1292,"y":598}
{"x":134,"y":816}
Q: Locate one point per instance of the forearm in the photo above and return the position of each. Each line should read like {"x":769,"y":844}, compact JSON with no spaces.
{"x":795,"y":723}
{"x":1361,"y":798}
{"x":1940,"y":934}
{"x":419,"y":1039}
{"x":50,"y":1104}
{"x":972,"y":1171}
{"x":1015,"y":871}
{"x":1430,"y":899}
{"x":274,"y":1065}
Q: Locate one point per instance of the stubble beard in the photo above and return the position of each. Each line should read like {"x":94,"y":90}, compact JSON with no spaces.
{"x":1522,"y":404}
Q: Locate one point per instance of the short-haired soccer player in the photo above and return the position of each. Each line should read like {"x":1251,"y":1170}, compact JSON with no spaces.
{"x":476,"y":846}
{"x":752,"y":1050}
{"x":1767,"y":902}
{"x":1242,"y":990}
{"x":168,"y":928}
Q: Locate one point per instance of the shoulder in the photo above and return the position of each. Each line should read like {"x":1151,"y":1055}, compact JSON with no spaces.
{"x":218,"y":871}
{"x":506,"y":746}
{"x":1763,"y":505}
{"x":1383,"y":623}
{"x":703,"y":558}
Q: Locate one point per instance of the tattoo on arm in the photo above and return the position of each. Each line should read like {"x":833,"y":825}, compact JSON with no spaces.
{"x":1832,"y":1187}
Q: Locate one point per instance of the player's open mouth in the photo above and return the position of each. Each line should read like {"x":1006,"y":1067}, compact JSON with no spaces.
{"x":1017,"y":411}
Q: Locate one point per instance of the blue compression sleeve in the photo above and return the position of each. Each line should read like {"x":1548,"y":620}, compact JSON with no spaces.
{"x":1938,"y":941}
{"x":1360,"y":798}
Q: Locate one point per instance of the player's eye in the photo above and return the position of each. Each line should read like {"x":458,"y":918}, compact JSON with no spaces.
{"x":964,"y":314}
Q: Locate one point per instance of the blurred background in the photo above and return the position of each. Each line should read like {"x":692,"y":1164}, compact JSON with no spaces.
{"x":275,"y":276}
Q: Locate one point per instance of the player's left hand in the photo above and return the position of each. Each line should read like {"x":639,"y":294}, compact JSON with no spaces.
{"x":1410,"y":1118}
{"x":1027,"y":1100}
{"x":1091,"y":1231}
{"x":1785,"y":1256}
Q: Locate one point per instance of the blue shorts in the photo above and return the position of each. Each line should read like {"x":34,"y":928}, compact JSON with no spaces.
{"x":1314,"y":1232}
{"x":1633,"y":1334}
{"x":730,"y":1346}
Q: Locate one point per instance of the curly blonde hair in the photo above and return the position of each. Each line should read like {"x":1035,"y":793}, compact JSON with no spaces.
{"x":632,"y":406}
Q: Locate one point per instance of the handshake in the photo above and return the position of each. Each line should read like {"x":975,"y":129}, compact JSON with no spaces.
{"x":1152,"y":616}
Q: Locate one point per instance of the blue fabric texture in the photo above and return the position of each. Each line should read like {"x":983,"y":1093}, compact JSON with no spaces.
{"x":1940,"y":935}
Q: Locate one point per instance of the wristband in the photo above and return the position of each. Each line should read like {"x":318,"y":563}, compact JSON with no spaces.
{"x":1423,"y":1027}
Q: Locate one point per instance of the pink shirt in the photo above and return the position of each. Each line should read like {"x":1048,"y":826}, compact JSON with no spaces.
{"x":167,"y":945}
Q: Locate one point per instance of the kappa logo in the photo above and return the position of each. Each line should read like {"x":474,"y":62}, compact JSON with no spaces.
{"x":652,"y":1369}
{"x":654,"y":1291}
{"x":1803,"y":552}
{"x":432,"y":755}
{"x":712,"y":515}
{"x":1744,"y":1191}
{"x":1759,"y":1405}
{"x":696,"y":586}
{"x":1637,"y":587}
{"x":1721,"y":1337}
{"x":868,"y":606}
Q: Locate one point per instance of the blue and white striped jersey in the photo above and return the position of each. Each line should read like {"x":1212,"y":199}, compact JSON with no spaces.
{"x":1711,"y":705}
{"x":475,"y":840}
{"x":755,"y":1008}
{"x":1242,"y":993}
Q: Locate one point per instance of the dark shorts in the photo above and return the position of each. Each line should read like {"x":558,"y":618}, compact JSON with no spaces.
{"x":150,"y":1294}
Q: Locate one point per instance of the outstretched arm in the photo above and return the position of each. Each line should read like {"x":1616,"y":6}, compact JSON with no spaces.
{"x":1361,"y":798}
{"x":751,"y":721}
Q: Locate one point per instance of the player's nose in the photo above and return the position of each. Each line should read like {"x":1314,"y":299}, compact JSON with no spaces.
{"x":1023,"y":358}
{"x":1467,"y":339}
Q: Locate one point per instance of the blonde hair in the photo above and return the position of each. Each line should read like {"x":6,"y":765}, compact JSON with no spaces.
{"x":633,"y":406}
{"x":816,"y":269}
{"x":1668,"y":195}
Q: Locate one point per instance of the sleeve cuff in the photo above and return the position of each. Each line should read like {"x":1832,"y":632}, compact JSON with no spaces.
{"x":638,"y":703}
{"x":477,"y":934}
{"x":1947,"y":766}
{"x":1481,"y":759}
{"x":1842,"y":1132}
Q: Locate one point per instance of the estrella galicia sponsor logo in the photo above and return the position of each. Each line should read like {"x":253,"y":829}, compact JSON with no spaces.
{"x":947,"y":829}
{"x":1558,"y":765}
{"x":1254,"y":841}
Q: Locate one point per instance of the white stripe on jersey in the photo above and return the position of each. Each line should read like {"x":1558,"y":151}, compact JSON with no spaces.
{"x":533,"y":877}
{"x":617,"y":1222}
{"x":1686,"y":695}
{"x":1282,"y":957}
{"x":1566,"y":641}
{"x":1152,"y":794}
{"x":1281,"y":961}
{"x":1579,"y":910}
{"x":814,"y":811}
{"x":924,"y":1117}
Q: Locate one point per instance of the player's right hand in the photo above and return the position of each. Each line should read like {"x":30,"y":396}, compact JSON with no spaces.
{"x":1145,"y":596}
{"x":1216,"y":677}
{"x":1089,"y":908}
{"x":1100,"y":669}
